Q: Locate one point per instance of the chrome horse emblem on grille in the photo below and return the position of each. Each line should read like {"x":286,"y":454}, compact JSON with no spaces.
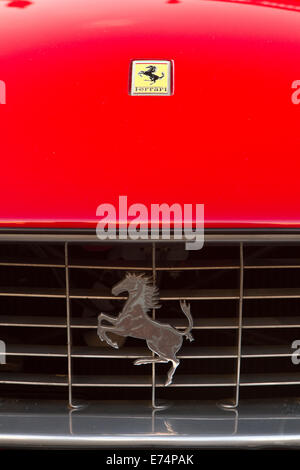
{"x":162,"y":339}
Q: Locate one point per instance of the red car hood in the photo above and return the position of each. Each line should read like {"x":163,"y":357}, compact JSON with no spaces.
{"x":73,"y":138}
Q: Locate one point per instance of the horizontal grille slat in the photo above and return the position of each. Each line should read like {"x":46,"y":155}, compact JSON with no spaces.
{"x":29,"y":263}
{"x":190,"y":353}
{"x":199,"y":323}
{"x":267,"y":351}
{"x":32,"y":292}
{"x":205,"y":265}
{"x":116,"y":381}
{"x":192,"y":294}
{"x":270,"y":379}
{"x":134,"y":353}
{"x":145,"y":381}
{"x":33,"y":379}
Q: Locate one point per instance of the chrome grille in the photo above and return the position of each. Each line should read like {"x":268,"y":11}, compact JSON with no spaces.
{"x":245,"y":301}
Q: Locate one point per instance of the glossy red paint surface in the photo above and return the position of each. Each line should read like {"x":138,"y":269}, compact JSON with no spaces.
{"x":72,"y":137}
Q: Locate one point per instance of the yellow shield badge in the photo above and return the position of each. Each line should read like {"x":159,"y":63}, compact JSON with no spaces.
{"x":151,"y":77}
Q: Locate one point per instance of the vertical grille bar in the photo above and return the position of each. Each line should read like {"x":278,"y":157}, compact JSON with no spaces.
{"x":239,"y":333}
{"x":69,"y":333}
{"x":240,"y":327}
{"x":153,"y":317}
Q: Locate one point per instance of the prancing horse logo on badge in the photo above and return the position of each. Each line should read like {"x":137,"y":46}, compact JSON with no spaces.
{"x":133,"y":320}
{"x":150,"y":73}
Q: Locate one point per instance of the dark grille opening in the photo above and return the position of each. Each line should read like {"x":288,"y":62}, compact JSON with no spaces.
{"x":268,"y":278}
{"x":34,"y":320}
{"x":39,"y":307}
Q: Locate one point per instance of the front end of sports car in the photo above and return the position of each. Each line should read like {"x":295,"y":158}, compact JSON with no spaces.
{"x":149,"y":224}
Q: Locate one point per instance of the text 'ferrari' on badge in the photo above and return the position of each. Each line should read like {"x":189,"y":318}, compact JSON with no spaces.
{"x":151,"y":77}
{"x":134,"y":320}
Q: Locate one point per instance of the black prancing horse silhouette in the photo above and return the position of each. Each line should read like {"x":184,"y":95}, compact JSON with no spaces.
{"x":150,"y":73}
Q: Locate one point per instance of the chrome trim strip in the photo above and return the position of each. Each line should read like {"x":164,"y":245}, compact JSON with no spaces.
{"x":211,"y":235}
{"x":149,"y":441}
{"x":259,"y":424}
